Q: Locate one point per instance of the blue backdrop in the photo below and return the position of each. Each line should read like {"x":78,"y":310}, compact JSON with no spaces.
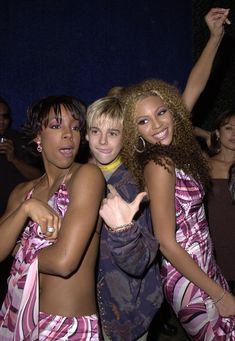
{"x":83,"y":48}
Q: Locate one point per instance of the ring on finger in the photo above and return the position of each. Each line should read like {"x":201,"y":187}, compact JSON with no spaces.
{"x":50,"y":229}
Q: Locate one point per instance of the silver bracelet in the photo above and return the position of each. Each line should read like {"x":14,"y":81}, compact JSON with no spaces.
{"x":219,"y":298}
{"x":122,"y":227}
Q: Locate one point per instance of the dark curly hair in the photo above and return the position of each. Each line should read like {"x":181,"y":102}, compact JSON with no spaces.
{"x":38,"y":112}
{"x":184,"y":150}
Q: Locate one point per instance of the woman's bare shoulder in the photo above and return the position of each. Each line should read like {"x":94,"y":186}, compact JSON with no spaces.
{"x":87,"y":169}
{"x":167,"y":166}
{"x":22,"y":189}
{"x":86,"y":177}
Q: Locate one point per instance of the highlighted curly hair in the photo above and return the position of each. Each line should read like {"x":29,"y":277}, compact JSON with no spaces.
{"x":184,"y":150}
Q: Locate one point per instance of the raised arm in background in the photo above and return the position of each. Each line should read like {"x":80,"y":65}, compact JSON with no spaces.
{"x":216,"y":18}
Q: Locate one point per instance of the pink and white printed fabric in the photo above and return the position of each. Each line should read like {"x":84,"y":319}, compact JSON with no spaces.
{"x":19,"y":314}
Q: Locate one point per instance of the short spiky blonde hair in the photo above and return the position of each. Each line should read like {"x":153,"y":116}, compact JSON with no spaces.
{"x":104,"y":108}
{"x":184,"y":150}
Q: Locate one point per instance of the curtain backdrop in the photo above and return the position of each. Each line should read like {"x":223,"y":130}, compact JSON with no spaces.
{"x":84,"y":47}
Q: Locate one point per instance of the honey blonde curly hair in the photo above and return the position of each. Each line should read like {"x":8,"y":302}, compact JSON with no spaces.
{"x":184,"y":150}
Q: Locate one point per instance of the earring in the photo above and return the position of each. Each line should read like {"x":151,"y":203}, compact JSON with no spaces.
{"x":137,"y":149}
{"x":39,"y":147}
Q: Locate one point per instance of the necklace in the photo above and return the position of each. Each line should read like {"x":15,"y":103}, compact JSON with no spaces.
{"x":112,"y":165}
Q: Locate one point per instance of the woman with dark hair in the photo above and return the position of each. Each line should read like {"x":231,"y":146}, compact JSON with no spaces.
{"x":160,"y":150}
{"x":51,"y":289}
{"x":220,"y":198}
{"x":221,"y":205}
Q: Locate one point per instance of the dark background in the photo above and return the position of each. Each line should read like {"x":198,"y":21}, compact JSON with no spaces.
{"x":83,"y":48}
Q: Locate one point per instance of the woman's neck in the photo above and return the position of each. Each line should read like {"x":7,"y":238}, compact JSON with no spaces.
{"x":220,"y":165}
{"x":226,"y":156}
{"x":56,"y":176}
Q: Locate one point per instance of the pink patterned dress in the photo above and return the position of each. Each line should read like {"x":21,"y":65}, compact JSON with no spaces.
{"x":194,"y":308}
{"x":20,"y":319}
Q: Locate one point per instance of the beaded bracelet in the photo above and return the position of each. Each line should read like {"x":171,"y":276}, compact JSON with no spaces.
{"x":123,"y":227}
{"x":219,"y":298}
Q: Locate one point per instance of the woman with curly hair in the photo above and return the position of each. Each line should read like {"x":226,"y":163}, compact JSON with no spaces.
{"x":160,"y":150}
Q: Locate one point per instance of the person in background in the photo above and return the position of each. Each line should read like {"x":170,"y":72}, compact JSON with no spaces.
{"x":220,"y":198}
{"x":116,"y":91}
{"x":51,"y":290}
{"x":16,"y":166}
{"x":14,"y":160}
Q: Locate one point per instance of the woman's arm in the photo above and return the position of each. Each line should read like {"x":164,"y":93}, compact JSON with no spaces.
{"x":161,"y":189}
{"x":204,"y":134}
{"x":86,"y":190}
{"x":17,"y":212}
{"x":200,"y":73}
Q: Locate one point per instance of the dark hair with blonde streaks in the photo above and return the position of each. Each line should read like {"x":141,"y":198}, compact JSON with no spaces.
{"x":184,"y":150}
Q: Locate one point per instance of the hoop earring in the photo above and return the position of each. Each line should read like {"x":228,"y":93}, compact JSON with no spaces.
{"x":39,"y":147}
{"x":137,"y":149}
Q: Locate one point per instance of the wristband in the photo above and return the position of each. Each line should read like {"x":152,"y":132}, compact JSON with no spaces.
{"x":123,"y":227}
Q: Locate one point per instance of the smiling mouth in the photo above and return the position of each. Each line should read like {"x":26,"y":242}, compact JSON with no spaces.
{"x":104,"y":151}
{"x":162,"y":135}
